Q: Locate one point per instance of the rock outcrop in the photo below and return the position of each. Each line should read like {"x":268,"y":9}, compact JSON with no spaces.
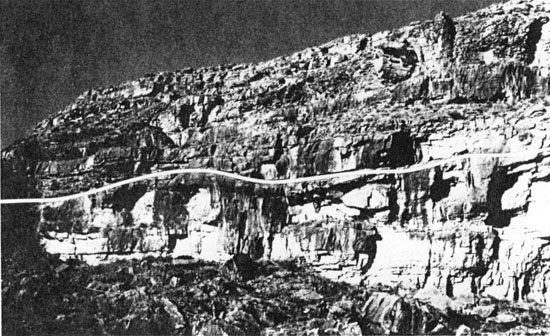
{"x":477,"y":84}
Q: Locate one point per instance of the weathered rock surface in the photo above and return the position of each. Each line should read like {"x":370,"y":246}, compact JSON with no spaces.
{"x":475,"y":84}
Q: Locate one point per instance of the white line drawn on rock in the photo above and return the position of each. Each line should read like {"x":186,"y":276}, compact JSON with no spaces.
{"x":314,"y":178}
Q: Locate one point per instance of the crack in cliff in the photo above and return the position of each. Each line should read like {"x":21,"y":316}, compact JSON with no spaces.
{"x":429,"y":266}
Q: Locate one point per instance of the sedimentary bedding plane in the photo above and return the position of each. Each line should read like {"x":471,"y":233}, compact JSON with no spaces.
{"x":367,"y":171}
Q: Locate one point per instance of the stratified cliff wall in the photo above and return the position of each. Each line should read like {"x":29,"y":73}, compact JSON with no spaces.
{"x":470,"y":85}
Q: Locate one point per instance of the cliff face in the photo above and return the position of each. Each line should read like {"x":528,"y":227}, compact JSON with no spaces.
{"x":470,"y":85}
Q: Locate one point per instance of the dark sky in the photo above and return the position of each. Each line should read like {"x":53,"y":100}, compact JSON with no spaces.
{"x":53,"y":50}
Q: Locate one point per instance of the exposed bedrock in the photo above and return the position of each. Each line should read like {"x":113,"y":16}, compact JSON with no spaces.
{"x":477,"y":84}
{"x":475,"y":227}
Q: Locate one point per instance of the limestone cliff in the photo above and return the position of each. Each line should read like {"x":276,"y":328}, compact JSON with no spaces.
{"x":429,"y":91}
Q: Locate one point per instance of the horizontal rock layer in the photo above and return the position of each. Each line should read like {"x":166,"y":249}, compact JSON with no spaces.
{"x":451,"y":227}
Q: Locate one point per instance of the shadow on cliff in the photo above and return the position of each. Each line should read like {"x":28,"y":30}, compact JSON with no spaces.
{"x":366,"y":243}
{"x":19,"y":232}
{"x":500,"y":182}
{"x":19,"y":222}
{"x":399,"y":149}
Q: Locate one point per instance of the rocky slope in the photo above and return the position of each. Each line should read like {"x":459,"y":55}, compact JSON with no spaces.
{"x":177,"y":297}
{"x":432,"y":90}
